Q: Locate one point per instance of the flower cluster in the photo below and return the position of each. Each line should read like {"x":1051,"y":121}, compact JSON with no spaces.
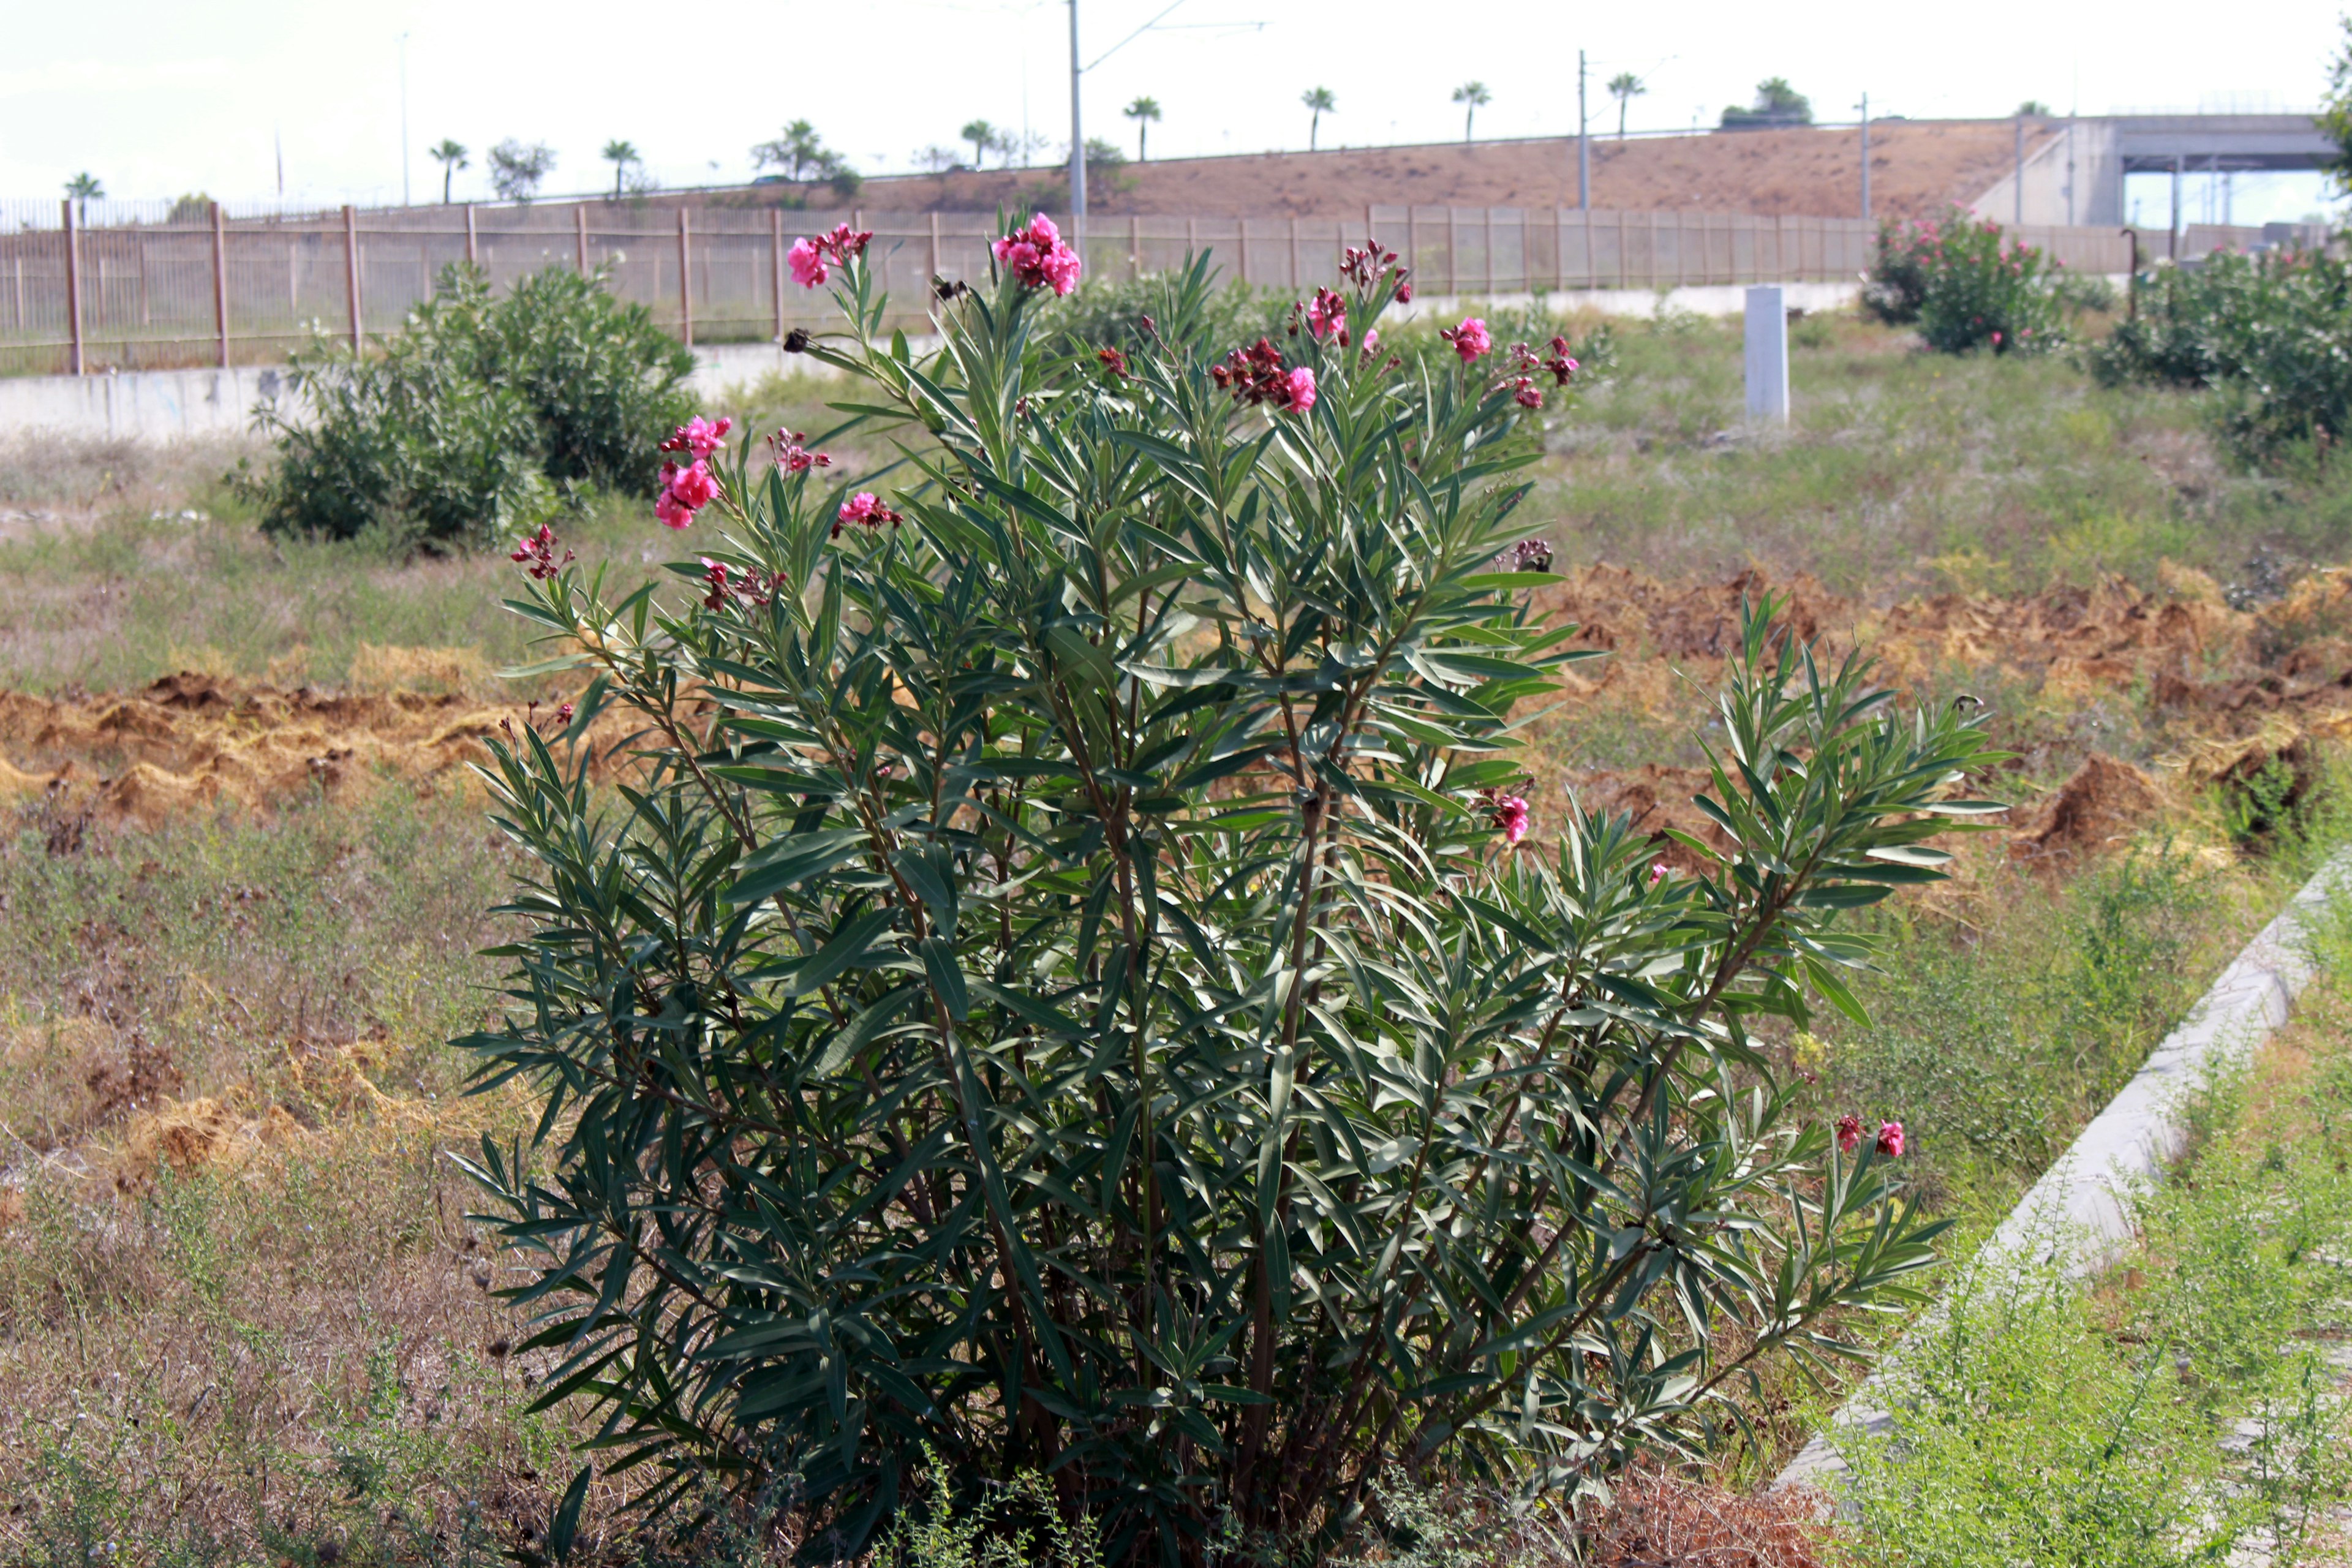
{"x":1327,"y":316}
{"x":699,"y":437}
{"x":730,"y":586}
{"x":792,"y":457}
{"x":1510,"y":816}
{"x":1890,"y":1136}
{"x":1365,"y":264}
{"x":1112,"y":360}
{"x":1527,"y":555}
{"x":1255,"y":375}
{"x":1470,"y":340}
{"x":865,"y":508}
{"x":685,"y":491}
{"x":809,"y":257}
{"x":537,"y":554}
{"x":1037,"y":256}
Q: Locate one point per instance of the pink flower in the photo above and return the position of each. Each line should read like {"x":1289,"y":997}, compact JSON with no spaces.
{"x":1525,"y":392}
{"x":1511,"y":816}
{"x":699,"y":437}
{"x":865,"y":508}
{"x":807,"y":263}
{"x":1298,"y":390}
{"x":667,"y":512}
{"x":1658,"y":870}
{"x":563,"y":714}
{"x":1037,"y":258}
{"x":792,"y":457}
{"x":1849,"y":1132}
{"x":1470,"y":340}
{"x":1996,"y":339}
{"x":1405,"y":292}
{"x":1327,"y":316}
{"x":1371,"y":343}
{"x":537,"y":554}
{"x":1890,"y":1140}
{"x":684,"y":492}
{"x":1562,"y":364}
{"x":1112,"y":360}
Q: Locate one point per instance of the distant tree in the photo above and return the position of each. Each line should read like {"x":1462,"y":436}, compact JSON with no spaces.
{"x":1626,"y":87}
{"x":620,"y":154}
{"x":516,"y":168}
{"x":1104,"y":156}
{"x":1776,"y":103}
{"x":1145,"y":113}
{"x":84,"y":189}
{"x":939,"y":160}
{"x":2033,"y":109}
{"x":800,"y":153}
{"x":982,"y":136}
{"x":1470,"y":95}
{"x":451,"y":156}
{"x":1319,"y":102}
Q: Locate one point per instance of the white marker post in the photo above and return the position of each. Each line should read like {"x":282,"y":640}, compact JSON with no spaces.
{"x":1768,"y":356}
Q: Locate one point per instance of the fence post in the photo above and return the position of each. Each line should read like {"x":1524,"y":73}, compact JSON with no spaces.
{"x":1297,"y":283}
{"x":776,"y":258}
{"x":935,"y":241}
{"x":352,"y":270}
{"x":220,"y":284}
{"x":73,"y":292}
{"x":580,"y":237}
{"x":472,"y":248}
{"x":1452,"y":249}
{"x":1134,"y":245}
{"x":684,"y":284}
{"x":1412,"y":238}
{"x":1245,"y":252}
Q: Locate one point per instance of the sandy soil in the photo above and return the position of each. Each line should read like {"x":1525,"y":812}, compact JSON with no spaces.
{"x":1918,"y":167}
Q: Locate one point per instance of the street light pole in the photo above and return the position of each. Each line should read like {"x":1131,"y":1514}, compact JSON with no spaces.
{"x":1866,"y":156}
{"x":404,"y":120}
{"x":1077,"y":142}
{"x":1583,"y":142}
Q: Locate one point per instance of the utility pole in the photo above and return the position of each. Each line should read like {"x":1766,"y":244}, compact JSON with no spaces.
{"x":404,"y":120}
{"x":1866,"y":156}
{"x":1583,"y":142}
{"x":2018,"y":216}
{"x":1077,"y":144}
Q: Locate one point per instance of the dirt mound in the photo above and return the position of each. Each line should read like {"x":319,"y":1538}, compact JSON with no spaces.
{"x":192,"y":741}
{"x":1917,"y":168}
{"x":2100,"y":806}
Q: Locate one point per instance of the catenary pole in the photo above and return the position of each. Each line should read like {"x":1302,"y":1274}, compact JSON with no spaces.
{"x":1583,"y":142}
{"x":1077,"y":144}
{"x":1865,"y":157}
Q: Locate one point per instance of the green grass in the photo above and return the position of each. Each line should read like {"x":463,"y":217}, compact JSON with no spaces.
{"x":2188,"y":1407}
{"x":1904,"y":471}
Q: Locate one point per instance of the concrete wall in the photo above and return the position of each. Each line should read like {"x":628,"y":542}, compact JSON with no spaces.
{"x":180,"y":405}
{"x":2074,"y":175}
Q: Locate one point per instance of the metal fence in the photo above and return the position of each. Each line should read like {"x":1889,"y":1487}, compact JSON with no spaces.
{"x":195,"y":284}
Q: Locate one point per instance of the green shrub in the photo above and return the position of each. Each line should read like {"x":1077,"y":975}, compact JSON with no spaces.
{"x":1068,"y":992}
{"x":465,"y":427}
{"x":2266,"y":333}
{"x":1957,"y":283}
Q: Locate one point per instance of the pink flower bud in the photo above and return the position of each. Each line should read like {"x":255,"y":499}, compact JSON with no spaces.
{"x":1849,"y":1132}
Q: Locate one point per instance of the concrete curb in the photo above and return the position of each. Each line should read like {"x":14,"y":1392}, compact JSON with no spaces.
{"x":2076,"y":1214}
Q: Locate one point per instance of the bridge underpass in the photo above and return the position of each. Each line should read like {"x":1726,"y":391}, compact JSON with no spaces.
{"x":2072,"y":171}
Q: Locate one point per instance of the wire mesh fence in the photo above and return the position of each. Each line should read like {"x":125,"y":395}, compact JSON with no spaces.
{"x":188,"y":283}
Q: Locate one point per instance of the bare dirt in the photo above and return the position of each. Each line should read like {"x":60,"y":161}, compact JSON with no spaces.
{"x":1917,"y":168}
{"x":2230,"y":696}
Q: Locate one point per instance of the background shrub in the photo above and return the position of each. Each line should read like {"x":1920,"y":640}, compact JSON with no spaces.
{"x":469,"y":423}
{"x":1963,"y":288}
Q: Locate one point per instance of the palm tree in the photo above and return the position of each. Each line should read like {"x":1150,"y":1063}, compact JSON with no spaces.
{"x":451,"y":156}
{"x":1470,"y":95}
{"x":620,"y":154}
{"x":1626,"y":87}
{"x":84,"y":189}
{"x":982,"y":136}
{"x":1143,"y":111}
{"x":1319,"y":102}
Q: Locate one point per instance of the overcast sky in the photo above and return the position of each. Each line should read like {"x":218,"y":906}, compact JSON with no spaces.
{"x":159,"y":98}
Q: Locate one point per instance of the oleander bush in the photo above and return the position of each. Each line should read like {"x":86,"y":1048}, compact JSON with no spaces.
{"x":473,"y":422}
{"x":1075,"y":986}
{"x":1963,"y":287}
{"x":2266,"y":334}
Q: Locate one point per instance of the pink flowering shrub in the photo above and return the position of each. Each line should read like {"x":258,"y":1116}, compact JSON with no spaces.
{"x":1964,"y":288}
{"x":1085,"y":957}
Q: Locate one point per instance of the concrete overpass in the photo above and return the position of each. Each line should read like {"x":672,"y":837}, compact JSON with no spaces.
{"x":2071,"y":171}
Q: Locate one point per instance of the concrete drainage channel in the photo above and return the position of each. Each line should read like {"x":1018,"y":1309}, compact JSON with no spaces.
{"x":2080,"y":1199}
